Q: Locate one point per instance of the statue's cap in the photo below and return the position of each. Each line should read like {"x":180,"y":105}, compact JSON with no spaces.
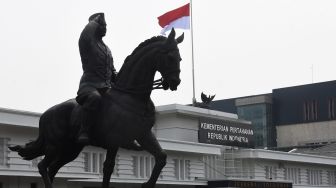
{"x":93,"y":16}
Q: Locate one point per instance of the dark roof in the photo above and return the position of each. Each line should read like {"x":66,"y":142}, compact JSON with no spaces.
{"x":312,"y":85}
{"x":228,"y":105}
{"x":289,"y":102}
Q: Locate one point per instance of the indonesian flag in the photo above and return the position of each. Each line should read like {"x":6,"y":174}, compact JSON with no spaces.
{"x":177,"y":18}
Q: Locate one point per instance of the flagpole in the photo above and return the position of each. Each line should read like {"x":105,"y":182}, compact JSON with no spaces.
{"x":192,"y":54}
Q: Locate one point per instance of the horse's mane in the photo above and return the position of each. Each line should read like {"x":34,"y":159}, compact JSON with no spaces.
{"x":140,"y":47}
{"x":147,"y":42}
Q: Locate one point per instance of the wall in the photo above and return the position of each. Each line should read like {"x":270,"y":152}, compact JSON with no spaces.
{"x":300,"y":134}
{"x":177,"y":127}
{"x":181,"y":168}
{"x":258,"y":165}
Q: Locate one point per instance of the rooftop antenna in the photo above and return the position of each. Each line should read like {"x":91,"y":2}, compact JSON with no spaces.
{"x":312,"y":73}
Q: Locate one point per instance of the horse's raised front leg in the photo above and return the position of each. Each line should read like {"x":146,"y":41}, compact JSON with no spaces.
{"x":109,"y":166}
{"x":150,"y":144}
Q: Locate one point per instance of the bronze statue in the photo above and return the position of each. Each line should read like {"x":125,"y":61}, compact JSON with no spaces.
{"x":98,"y":71}
{"x":125,"y":114}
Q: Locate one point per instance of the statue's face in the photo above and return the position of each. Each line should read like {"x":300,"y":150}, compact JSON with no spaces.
{"x":101,"y":30}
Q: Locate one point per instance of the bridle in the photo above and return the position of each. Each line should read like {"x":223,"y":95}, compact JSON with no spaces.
{"x":157,"y":84}
{"x":141,"y":89}
{"x":148,"y":87}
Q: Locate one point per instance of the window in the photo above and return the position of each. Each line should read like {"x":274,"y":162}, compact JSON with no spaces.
{"x":182,"y":169}
{"x":33,"y":185}
{"x":313,"y":107}
{"x":93,"y":162}
{"x":271,"y":172}
{"x":332,"y":177}
{"x":3,"y":151}
{"x":314,"y":176}
{"x":310,"y":110}
{"x":143,"y":166}
{"x":331,"y":108}
{"x":87,"y":164}
{"x":101,"y":163}
{"x":260,"y":116}
{"x":293,"y":174}
{"x":306,"y":111}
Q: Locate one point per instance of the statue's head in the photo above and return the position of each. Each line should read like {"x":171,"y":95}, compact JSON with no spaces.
{"x":169,"y":67}
{"x":100,"y":19}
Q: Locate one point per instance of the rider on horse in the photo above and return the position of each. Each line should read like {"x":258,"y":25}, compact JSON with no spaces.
{"x":98,"y":71}
{"x":125,"y":126}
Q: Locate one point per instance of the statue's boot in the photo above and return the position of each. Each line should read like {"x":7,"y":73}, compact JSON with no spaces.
{"x":83,"y":137}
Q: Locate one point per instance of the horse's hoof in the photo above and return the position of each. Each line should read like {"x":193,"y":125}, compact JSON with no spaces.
{"x":146,"y":185}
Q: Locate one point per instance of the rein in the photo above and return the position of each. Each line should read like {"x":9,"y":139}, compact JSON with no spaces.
{"x":147,"y":88}
{"x":141,"y":89}
{"x":157,"y":84}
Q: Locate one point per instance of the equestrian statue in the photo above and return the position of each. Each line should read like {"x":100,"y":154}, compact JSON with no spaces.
{"x":122,"y":117}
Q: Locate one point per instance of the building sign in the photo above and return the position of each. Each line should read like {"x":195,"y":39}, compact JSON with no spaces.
{"x":249,"y":184}
{"x":222,"y":132}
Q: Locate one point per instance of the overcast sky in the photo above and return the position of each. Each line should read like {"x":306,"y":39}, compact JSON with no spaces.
{"x":242,"y":47}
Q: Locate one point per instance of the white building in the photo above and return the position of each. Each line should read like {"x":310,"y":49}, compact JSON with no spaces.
{"x":190,"y":163}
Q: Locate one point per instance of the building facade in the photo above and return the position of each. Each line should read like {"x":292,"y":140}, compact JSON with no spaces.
{"x":299,"y":116}
{"x":191,"y":162}
{"x":258,"y":110}
{"x":305,"y":115}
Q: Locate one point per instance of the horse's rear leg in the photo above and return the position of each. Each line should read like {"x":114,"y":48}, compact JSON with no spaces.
{"x":62,"y":159}
{"x":109,"y":166}
{"x":54,"y":167}
{"x":44,"y":165}
{"x":150,"y":144}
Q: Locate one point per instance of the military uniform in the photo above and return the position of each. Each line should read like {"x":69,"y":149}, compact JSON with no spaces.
{"x":97,"y":61}
{"x":98,"y":70}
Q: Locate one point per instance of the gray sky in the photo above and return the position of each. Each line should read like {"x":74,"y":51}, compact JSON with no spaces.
{"x":242,"y":47}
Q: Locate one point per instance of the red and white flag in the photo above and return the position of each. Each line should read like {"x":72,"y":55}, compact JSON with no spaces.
{"x":177,"y":18}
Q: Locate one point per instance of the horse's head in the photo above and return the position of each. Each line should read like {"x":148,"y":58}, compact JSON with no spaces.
{"x":169,"y":64}
{"x":158,"y":53}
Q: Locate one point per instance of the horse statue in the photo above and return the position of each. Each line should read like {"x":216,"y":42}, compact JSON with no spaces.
{"x":124,"y":119}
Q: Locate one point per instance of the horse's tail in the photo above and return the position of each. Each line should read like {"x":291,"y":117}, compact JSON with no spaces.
{"x":34,"y":148}
{"x":31,"y":150}
{"x":54,"y":130}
